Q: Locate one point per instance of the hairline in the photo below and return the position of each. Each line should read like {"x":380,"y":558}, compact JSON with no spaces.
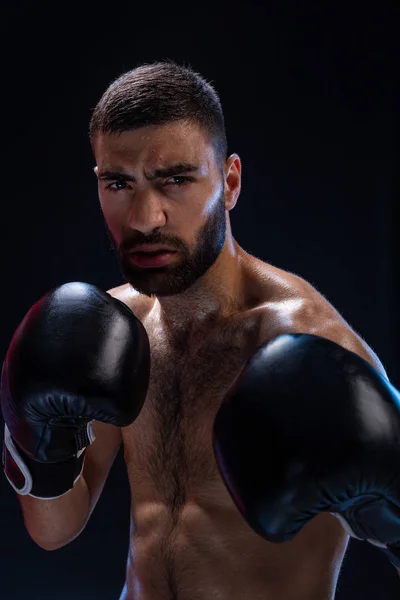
{"x":210,"y":139}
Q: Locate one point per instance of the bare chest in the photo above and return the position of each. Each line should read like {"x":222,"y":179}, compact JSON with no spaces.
{"x":169,"y":447}
{"x":188,"y":539}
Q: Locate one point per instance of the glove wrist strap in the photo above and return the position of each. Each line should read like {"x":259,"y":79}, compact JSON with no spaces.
{"x":45,"y":481}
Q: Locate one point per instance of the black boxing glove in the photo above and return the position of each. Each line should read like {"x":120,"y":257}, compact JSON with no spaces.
{"x":310,"y":427}
{"x":79,"y":354}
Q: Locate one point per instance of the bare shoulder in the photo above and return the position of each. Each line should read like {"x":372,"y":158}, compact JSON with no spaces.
{"x":293,"y":305}
{"x":138,"y":303}
{"x":123,"y":292}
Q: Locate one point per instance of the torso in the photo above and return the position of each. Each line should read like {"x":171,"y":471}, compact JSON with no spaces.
{"x":188,"y":540}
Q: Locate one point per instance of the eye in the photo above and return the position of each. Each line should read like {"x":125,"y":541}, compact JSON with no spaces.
{"x":116,"y":186}
{"x":181,"y":180}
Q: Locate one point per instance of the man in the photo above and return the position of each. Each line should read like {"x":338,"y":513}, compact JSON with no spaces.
{"x":203,"y":307}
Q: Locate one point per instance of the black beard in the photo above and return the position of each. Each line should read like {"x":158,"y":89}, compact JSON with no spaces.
{"x":174,"y":279}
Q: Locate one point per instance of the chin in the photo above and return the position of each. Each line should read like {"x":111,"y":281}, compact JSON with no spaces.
{"x":161,"y":285}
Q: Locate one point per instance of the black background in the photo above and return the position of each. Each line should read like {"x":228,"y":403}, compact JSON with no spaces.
{"x":309,"y":96}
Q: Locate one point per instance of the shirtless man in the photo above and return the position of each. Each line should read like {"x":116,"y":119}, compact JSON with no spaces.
{"x":202,"y":306}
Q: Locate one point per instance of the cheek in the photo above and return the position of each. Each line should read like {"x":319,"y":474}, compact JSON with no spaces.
{"x":113,"y":211}
{"x":193,"y":214}
{"x":210,"y":206}
{"x":114,"y":216}
{"x":189,"y":219}
{"x":200,"y":207}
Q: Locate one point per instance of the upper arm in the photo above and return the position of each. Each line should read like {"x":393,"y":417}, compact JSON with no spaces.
{"x":99,"y":457}
{"x":319,"y":317}
{"x":305,"y":310}
{"x":347,"y":338}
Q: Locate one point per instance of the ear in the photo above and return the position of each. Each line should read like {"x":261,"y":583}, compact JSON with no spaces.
{"x":232,"y":184}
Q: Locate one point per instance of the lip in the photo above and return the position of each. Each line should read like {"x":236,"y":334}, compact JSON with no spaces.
{"x":141,"y":259}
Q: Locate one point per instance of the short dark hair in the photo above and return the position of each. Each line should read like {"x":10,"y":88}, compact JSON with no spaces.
{"x":160,"y":93}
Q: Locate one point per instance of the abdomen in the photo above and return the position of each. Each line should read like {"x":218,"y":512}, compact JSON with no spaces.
{"x":210,"y":553}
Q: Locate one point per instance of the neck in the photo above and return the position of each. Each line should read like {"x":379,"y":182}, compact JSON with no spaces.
{"x":214,"y":296}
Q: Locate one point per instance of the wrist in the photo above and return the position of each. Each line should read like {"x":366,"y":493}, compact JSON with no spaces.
{"x":392,"y":550}
{"x":42,"y":480}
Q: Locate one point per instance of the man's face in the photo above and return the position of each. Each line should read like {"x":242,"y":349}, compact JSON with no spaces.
{"x":142,"y":203}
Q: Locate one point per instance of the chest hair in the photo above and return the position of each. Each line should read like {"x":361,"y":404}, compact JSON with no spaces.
{"x":189,"y":378}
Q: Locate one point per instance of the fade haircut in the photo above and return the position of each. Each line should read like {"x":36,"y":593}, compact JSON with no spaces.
{"x":160,"y":93}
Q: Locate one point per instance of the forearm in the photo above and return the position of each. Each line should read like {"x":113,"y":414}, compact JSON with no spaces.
{"x":54,"y":523}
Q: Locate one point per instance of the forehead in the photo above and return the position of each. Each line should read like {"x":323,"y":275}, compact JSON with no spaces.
{"x":155,"y":145}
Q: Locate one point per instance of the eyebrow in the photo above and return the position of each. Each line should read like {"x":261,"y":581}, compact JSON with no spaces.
{"x":170,"y":171}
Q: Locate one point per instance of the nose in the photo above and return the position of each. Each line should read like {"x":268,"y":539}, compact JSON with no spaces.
{"x":146,"y":212}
